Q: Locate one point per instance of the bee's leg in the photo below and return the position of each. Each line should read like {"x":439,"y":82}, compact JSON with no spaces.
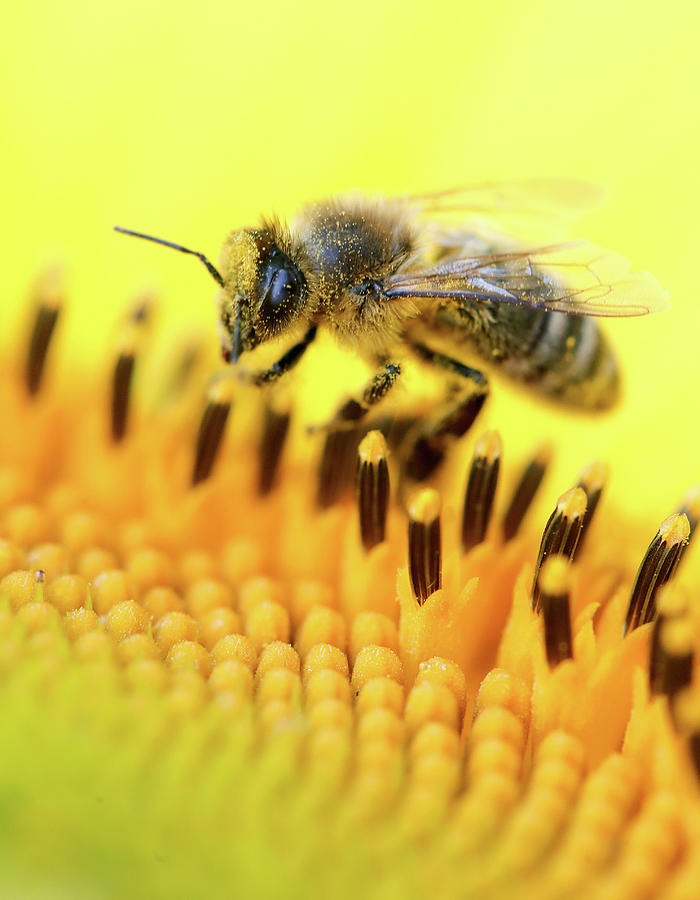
{"x":353,"y":410}
{"x":283,"y":365}
{"x":428,"y":444}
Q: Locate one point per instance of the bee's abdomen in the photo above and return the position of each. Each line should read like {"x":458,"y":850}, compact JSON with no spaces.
{"x":567,"y":358}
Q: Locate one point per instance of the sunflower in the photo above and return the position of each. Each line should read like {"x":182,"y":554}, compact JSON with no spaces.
{"x":238,"y":661}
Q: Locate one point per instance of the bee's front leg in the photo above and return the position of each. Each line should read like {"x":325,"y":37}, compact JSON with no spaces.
{"x":428,"y":443}
{"x":283,"y":365}
{"x":353,"y":410}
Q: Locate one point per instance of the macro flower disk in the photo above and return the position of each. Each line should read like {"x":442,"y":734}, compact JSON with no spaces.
{"x":449,"y":694}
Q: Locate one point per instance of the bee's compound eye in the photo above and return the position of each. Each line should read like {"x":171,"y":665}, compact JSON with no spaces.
{"x":282,"y":286}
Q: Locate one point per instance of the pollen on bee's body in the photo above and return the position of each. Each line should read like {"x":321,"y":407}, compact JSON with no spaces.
{"x":561,"y":534}
{"x":424,"y":544}
{"x":658,"y":566}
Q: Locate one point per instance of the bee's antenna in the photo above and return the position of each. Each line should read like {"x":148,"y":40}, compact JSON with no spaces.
{"x":213,"y":271}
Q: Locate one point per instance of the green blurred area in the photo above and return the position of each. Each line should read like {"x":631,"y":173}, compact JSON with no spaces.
{"x":188,"y":121}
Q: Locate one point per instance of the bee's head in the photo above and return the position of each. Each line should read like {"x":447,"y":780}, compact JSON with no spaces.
{"x":264,"y":291}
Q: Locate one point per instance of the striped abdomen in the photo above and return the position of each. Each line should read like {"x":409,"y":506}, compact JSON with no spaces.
{"x":565,"y":357}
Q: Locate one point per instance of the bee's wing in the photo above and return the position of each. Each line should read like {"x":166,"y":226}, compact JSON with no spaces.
{"x":578,"y":278}
{"x":555,"y":198}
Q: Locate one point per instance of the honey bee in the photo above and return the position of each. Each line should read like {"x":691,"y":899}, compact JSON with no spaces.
{"x":390,"y":278}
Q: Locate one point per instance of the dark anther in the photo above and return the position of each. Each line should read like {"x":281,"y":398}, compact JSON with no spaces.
{"x":592,"y":479}
{"x":658,"y":566}
{"x":481,"y":488}
{"x":555,"y":588}
{"x":275,"y":427}
{"x":121,"y":390}
{"x":211,"y":431}
{"x":671,"y":655}
{"x":561,"y":534}
{"x":337,"y":466}
{"x":44,"y":325}
{"x":524,"y":494}
{"x":372,"y":488}
{"x":424,"y":550}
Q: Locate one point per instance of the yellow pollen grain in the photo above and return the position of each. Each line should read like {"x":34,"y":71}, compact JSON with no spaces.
{"x":11,"y":558}
{"x":573,"y":503}
{"x":489,"y":446}
{"x":37,"y":616}
{"x":326,"y":684}
{"x":498,"y":723}
{"x":259,"y":590}
{"x":78,"y":622}
{"x":125,"y":619}
{"x":137,"y":646}
{"x":675,"y":529}
{"x":67,"y":592}
{"x":325,"y":656}
{"x":322,"y":625}
{"x":372,"y":628}
{"x":444,"y":671}
{"x":435,"y":738}
{"x":279,"y":684}
{"x":381,"y":724}
{"x":174,"y":627}
{"x":158,"y":601}
{"x":110,"y":588}
{"x":25,"y":525}
{"x":307,"y":596}
{"x":425,"y":506}
{"x":93,"y":645}
{"x":232,"y":675}
{"x":277,"y":655}
{"x":195,"y":565}
{"x":266,"y":622}
{"x":376,"y":662}
{"x":187,"y":656}
{"x":380,"y":693}
{"x":81,"y":530}
{"x":236,"y":646}
{"x":217,"y":623}
{"x":431,"y":702}
{"x":332,"y":715}
{"x":149,"y":568}
{"x":372,"y":447}
{"x":206,"y":594}
{"x":93,"y":561}
{"x":19,"y":587}
{"x":50,"y":558}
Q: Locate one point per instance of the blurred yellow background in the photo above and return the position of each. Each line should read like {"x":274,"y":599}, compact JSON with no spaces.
{"x":185,"y":120}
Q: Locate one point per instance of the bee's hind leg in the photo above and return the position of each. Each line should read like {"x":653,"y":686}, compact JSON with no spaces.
{"x":427,"y":445}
